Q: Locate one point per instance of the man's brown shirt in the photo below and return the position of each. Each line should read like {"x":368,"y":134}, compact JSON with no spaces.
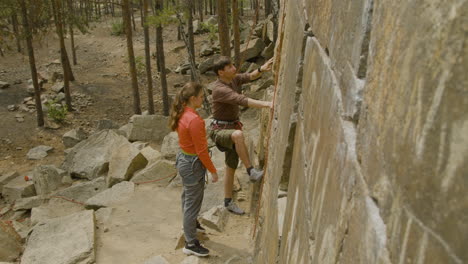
{"x":228,"y":97}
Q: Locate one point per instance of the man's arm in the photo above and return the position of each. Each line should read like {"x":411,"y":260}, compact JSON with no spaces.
{"x":265,"y":67}
{"x":258,"y":104}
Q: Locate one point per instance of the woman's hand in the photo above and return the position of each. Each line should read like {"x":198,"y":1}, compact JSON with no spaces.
{"x":214,"y":177}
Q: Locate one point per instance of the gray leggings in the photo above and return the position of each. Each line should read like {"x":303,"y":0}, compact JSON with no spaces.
{"x":192,"y":173}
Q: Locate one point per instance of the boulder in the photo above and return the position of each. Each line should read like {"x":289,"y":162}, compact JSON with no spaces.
{"x":39,"y":152}
{"x":207,"y":64}
{"x":117,"y":193}
{"x":81,"y":192}
{"x":161,"y":170}
{"x":103,"y":215}
{"x":156,"y":260}
{"x":206,"y":50}
{"x":4,"y":85}
{"x":215,"y":218}
{"x":106,"y":124}
{"x":151,"y":154}
{"x":21,"y":229}
{"x":269,"y":51}
{"x":46,"y":178}
{"x":58,"y":87}
{"x":90,"y":158}
{"x":125,"y":160}
{"x":73,"y":137}
{"x":126,"y":129}
{"x":190,"y":260}
{"x":148,"y":128}
{"x":183,"y":68}
{"x":10,"y":243}
{"x":64,"y":240}
{"x":252,"y":67}
{"x":18,"y":188}
{"x":170,"y":146}
{"x":245,"y":66}
{"x":212,"y":21}
{"x":196,"y":27}
{"x":28,"y":203}
{"x":253,"y":50}
{"x":6,"y":178}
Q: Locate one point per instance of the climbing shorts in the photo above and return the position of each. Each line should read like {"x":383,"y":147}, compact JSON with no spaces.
{"x":223,"y":140}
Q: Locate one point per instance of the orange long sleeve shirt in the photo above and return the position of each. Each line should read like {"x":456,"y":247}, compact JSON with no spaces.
{"x":192,"y":137}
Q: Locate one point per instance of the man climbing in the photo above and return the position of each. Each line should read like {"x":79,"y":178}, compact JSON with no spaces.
{"x":226,"y":129}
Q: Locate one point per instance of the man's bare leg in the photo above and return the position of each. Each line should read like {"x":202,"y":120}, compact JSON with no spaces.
{"x":229,"y":182}
{"x":241,"y":148}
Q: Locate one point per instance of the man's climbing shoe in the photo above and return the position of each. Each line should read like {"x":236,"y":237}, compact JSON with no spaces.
{"x":255,"y":175}
{"x":195,"y":248}
{"x":233,"y":208}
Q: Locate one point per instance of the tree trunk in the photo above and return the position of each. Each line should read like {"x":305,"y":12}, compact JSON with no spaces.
{"x":236,"y":29}
{"x":142,"y":21}
{"x":149,"y":76}
{"x":161,"y":62}
{"x":72,"y":37}
{"x":200,"y":9}
{"x":223,"y":28}
{"x":32,"y":64}
{"x":190,"y":31}
{"x":211,"y":6}
{"x":242,"y":8}
{"x":268,"y":7}
{"x":112,"y":8}
{"x":132,"y":15}
{"x":131,"y":56}
{"x":14,"y":21}
{"x":57,"y":9}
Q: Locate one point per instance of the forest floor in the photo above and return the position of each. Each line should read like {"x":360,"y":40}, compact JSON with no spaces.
{"x":149,"y":223}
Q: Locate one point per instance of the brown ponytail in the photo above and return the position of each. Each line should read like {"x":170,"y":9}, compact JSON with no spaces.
{"x":181,"y":99}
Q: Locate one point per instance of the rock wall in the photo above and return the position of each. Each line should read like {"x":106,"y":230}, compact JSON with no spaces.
{"x":372,"y":102}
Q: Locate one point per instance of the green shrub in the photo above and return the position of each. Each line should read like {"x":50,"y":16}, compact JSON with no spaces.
{"x":211,"y":29}
{"x":117,"y":29}
{"x":56,"y":111}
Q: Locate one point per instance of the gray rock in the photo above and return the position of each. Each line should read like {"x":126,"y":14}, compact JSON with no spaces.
{"x":162,"y":169}
{"x":254,"y":49}
{"x":190,"y":260}
{"x":39,"y":152}
{"x":148,"y":128}
{"x":269,"y":51}
{"x":245,"y":66}
{"x":206,"y":50}
{"x":212,"y":21}
{"x":103,"y":215}
{"x":6,"y":178}
{"x":117,"y":193}
{"x":58,"y":87}
{"x":81,"y":192}
{"x":12,"y":108}
{"x":46,"y":179}
{"x":182,"y":68}
{"x":10,"y":244}
{"x":67,"y":240}
{"x":156,"y":260}
{"x":73,"y":137}
{"x":30,"y":89}
{"x":60,"y":97}
{"x":252,"y":67}
{"x":18,"y":188}
{"x":170,"y":146}
{"x":123,"y":163}
{"x":21,"y":229}
{"x":151,"y":154}
{"x":215,"y":218}
{"x":126,"y":129}
{"x":90,"y":158}
{"x":196,"y":27}
{"x":4,"y":85}
{"x":140,"y":145}
{"x":207,"y":64}
{"x":28,"y":203}
{"x":106,"y":124}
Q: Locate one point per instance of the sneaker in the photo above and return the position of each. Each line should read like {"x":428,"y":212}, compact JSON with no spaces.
{"x":255,"y":175}
{"x":200,"y":229}
{"x":195,"y":249}
{"x":233,"y":208}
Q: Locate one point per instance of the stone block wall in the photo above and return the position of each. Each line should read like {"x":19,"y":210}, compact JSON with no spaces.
{"x":372,"y":102}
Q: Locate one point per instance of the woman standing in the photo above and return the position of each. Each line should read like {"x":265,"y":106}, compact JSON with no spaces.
{"x":193,"y":160}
